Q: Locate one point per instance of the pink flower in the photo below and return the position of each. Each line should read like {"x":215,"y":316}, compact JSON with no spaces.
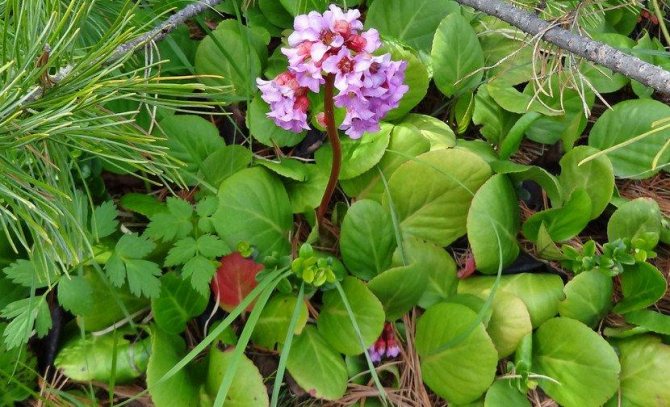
{"x":288,"y":101}
{"x":334,"y":43}
{"x":386,"y":346}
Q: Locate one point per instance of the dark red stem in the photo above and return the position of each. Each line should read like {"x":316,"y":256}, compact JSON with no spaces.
{"x":329,"y":111}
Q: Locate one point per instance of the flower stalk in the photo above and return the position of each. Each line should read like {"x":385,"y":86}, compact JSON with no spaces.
{"x":333,"y":137}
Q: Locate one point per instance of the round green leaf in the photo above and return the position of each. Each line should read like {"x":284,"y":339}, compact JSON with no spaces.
{"x":225,"y":162}
{"x":642,"y":285}
{"x":316,"y":367}
{"x":588,"y":297}
{"x":520,"y":172}
{"x":275,"y":318}
{"x":254,"y":208}
{"x":540,"y":292}
{"x":412,"y":22}
{"x":92,"y":357}
{"x":240,"y":73}
{"x":367,"y":240}
{"x":650,"y":320}
{"x":462,"y":372}
{"x":443,"y":183}
{"x":437,"y":132}
{"x":492,"y":229}
{"x":183,"y":388}
{"x":615,"y":126}
{"x":335,"y":324}
{"x":191,"y":139}
{"x":306,"y":195}
{"x":416,"y":77}
{"x":437,"y":265}
{"x":358,"y":155}
{"x":509,"y":323}
{"x":503,"y":393}
{"x":596,"y":177}
{"x":399,"y":289}
{"x":561,"y":223}
{"x":265,"y":130}
{"x":276,"y":13}
{"x":641,"y":216}
{"x":584,"y":364}
{"x":457,"y":56}
{"x":645,"y":362}
{"x":177,"y":304}
{"x":247,"y":389}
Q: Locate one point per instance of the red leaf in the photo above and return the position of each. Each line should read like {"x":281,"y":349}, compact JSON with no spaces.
{"x":234,"y":280}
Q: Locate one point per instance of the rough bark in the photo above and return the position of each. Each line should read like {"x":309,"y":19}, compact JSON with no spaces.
{"x":594,"y":51}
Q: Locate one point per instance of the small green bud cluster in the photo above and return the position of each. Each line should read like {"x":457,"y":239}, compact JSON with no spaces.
{"x":312,"y":269}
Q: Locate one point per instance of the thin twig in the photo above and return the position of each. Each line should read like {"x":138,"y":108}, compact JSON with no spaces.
{"x":594,"y":51}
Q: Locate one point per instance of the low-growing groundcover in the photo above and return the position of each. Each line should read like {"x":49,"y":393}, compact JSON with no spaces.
{"x":383,"y":202}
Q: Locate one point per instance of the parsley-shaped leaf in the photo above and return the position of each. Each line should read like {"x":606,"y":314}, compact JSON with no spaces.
{"x":28,"y":273}
{"x":207,"y":206}
{"x":182,"y":251}
{"x":126,"y":263}
{"x":211,"y":246}
{"x":134,"y":247}
{"x":103,"y":222}
{"x":143,"y":278}
{"x":26,"y":314}
{"x":174,"y":224}
{"x":201,"y":271}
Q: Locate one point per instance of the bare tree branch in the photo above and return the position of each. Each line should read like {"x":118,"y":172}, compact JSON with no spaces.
{"x":594,"y":51}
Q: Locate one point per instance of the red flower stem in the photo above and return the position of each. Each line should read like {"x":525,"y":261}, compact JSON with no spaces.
{"x":329,"y":111}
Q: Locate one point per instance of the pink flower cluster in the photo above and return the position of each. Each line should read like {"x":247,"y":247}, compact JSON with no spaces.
{"x":333,"y":43}
{"x":385,"y":346}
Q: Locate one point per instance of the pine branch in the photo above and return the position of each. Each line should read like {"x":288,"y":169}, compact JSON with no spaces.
{"x":158,"y":33}
{"x":594,"y":51}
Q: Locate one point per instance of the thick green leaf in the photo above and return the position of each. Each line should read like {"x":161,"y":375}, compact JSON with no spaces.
{"x":367,"y":241}
{"x":412,"y":22}
{"x":191,"y":139}
{"x":316,"y":367}
{"x":645,"y":362}
{"x":358,"y":155}
{"x":183,"y":388}
{"x":588,"y":297}
{"x":416,"y":77}
{"x":509,"y":323}
{"x":240,"y":73}
{"x":335,"y":324}
{"x":584,"y":364}
{"x":641,"y":216}
{"x":254,"y":208}
{"x":520,"y":172}
{"x":503,"y":393}
{"x":443,"y":184}
{"x":596,"y":177}
{"x":457,"y":56}
{"x":274,"y":321}
{"x":561,"y":223}
{"x":265,"y":130}
{"x":437,"y":132}
{"x":247,"y":388}
{"x":651,"y":321}
{"x":438,"y":266}
{"x":642,"y":285}
{"x":462,"y":372}
{"x":492,"y":229}
{"x":225,"y":162}
{"x":177,"y":304}
{"x":399,"y":289}
{"x":540,"y":292}
{"x":495,"y":121}
{"x":306,"y":195}
{"x":276,"y":13}
{"x":615,"y":126}
{"x":92,"y":357}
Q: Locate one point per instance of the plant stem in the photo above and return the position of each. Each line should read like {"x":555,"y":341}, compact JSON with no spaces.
{"x":661,"y":21}
{"x":329,"y":111}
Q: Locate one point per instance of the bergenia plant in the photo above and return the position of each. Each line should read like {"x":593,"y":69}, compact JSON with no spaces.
{"x":331,"y":51}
